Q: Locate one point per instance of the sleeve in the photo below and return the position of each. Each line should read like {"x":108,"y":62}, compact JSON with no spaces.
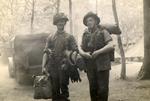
{"x":84,"y":41}
{"x":47,"y":45}
{"x":107,"y":36}
{"x":72,"y":44}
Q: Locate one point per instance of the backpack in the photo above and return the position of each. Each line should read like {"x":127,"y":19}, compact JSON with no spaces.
{"x":111,"y":53}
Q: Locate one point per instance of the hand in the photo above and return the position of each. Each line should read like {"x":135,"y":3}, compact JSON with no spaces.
{"x":95,"y":54}
{"x":43,"y":70}
{"x":86,"y":55}
{"x":50,"y":51}
{"x":67,"y":53}
{"x":64,"y":67}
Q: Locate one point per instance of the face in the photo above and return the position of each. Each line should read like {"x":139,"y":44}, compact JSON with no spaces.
{"x":91,"y":22}
{"x":61,"y":24}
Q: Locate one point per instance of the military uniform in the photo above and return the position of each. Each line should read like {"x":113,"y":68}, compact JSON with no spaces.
{"x":98,"y":68}
{"x":58,"y":43}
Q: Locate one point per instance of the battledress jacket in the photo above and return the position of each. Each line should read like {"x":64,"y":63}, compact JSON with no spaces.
{"x":94,"y":41}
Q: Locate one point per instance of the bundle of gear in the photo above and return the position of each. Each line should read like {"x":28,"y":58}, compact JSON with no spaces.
{"x":42,"y":87}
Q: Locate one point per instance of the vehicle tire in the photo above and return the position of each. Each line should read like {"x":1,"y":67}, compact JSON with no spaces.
{"x":18,"y":77}
{"x":22,"y":78}
{"x":11,"y":67}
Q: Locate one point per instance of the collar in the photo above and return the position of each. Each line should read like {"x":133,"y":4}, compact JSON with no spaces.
{"x":60,"y":32}
{"x":96,"y":30}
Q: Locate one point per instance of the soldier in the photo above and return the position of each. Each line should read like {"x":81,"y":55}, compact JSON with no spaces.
{"x":57,"y":46}
{"x":95,"y":48}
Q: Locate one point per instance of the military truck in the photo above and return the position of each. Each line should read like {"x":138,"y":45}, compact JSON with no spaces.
{"x":26,"y":58}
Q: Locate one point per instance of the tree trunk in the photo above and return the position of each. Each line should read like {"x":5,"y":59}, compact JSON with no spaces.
{"x":58,"y":6}
{"x":70,"y":16}
{"x":96,"y":7}
{"x":145,"y":69}
{"x":32,"y":16}
{"x":123,"y":60}
{"x":12,"y":24}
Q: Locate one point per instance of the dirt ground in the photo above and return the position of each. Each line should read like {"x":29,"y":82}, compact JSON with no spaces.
{"x":128,"y":90}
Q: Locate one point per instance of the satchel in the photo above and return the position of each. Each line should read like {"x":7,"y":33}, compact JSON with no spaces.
{"x":42,"y":87}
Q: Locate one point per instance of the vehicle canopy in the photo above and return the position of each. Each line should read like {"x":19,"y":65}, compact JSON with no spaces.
{"x":31,"y":46}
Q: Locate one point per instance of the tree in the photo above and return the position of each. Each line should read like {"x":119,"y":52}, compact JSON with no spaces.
{"x":96,"y":6}
{"x":8,"y":19}
{"x":58,"y":6}
{"x":53,"y":6}
{"x":123,"y":60}
{"x":144,"y":73}
{"x":70,"y":16}
{"x":32,"y":15}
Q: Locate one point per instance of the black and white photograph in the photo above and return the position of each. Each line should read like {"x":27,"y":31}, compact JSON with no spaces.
{"x":74,"y":50}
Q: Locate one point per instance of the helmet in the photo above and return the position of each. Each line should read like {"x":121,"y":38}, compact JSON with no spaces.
{"x":58,"y":17}
{"x":90,"y":14}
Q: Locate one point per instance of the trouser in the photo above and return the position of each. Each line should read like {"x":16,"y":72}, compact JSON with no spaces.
{"x":98,"y":84}
{"x":60,"y":82}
